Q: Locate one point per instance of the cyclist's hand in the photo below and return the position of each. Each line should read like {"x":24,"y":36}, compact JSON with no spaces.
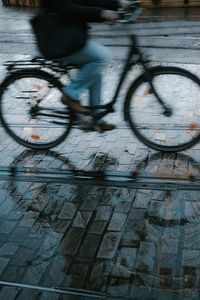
{"x":125,"y":4}
{"x":110,"y":15}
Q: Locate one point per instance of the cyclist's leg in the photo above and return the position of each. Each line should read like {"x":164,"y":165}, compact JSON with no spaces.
{"x":95,"y":91}
{"x":95,"y":94}
{"x":92,"y":58}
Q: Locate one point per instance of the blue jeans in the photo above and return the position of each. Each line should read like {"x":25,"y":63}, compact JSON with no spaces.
{"x":91,"y":60}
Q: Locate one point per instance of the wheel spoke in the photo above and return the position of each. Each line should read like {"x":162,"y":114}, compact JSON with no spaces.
{"x":28,"y":111}
{"x":179,"y":91}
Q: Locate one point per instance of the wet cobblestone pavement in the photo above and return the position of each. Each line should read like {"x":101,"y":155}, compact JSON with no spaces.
{"x":125,"y":242}
{"x":135,"y":236}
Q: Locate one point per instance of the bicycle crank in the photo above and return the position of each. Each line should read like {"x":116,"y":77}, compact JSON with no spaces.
{"x":86,"y":122}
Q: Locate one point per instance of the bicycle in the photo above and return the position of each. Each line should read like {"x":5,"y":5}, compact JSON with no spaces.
{"x":150,"y":109}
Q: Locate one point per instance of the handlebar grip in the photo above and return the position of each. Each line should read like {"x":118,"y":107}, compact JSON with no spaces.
{"x":136,"y":14}
{"x":128,"y":17}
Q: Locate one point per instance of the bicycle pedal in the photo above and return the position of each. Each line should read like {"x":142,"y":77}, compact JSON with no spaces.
{"x":86,"y":122}
{"x":94,"y":128}
{"x":97,"y":128}
{"x":87,"y":129}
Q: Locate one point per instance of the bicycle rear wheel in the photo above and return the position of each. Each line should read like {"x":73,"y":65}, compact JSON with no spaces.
{"x":31,"y":111}
{"x":178,"y":89}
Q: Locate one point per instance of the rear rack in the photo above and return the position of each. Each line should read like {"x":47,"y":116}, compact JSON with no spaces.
{"x":38,"y":62}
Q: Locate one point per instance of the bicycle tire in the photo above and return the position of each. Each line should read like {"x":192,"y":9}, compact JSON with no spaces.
{"x":26,"y":86}
{"x":161,"y":135}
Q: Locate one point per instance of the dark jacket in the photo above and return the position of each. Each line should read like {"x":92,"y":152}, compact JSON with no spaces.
{"x":55,"y":41}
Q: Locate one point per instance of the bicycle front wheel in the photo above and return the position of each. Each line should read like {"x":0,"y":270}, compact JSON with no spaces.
{"x":178,"y":89}
{"x":31,"y":111}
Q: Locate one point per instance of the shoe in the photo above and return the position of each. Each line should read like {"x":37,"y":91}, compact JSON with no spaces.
{"x":106,"y":126}
{"x":73,"y":104}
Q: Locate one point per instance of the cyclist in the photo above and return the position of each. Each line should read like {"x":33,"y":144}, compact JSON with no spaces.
{"x":89,"y":56}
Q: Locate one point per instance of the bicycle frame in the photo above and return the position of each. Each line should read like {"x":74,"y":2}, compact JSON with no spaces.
{"x":107,"y":108}
{"x":129,"y":63}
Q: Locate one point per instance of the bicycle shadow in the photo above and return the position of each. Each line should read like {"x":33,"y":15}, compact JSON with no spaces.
{"x":76,"y":226}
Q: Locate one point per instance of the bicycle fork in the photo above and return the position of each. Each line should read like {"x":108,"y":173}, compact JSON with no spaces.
{"x":167,"y":111}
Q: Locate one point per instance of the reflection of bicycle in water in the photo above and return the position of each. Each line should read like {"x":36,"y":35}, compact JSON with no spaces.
{"x":164,"y":222}
{"x":161,"y":105}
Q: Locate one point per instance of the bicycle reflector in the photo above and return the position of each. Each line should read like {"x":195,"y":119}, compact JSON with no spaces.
{"x":193,"y":126}
{"x":148,"y":92}
{"x":35,"y":137}
{"x":37,"y":86}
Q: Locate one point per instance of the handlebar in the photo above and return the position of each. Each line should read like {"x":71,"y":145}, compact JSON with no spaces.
{"x":131,"y":15}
